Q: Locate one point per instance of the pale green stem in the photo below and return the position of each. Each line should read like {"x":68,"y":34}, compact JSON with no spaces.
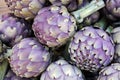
{"x":102,"y":24}
{"x":89,"y":9}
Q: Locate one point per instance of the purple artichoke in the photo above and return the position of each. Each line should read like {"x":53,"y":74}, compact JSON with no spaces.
{"x":12,"y":29}
{"x":62,"y":70}
{"x":11,"y":76}
{"x":29,"y":58}
{"x":111,"y":72}
{"x":53,"y":26}
{"x":91,"y":49}
{"x":112,"y":9}
{"x":70,"y":4}
{"x":91,"y":19}
{"x":116,"y":38}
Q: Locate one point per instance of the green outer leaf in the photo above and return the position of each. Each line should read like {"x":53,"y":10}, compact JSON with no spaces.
{"x":3,"y":69}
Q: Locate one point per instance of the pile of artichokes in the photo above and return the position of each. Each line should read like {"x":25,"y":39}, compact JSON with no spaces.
{"x":60,"y":40}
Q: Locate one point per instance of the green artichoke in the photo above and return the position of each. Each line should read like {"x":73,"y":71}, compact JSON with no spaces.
{"x":91,"y":49}
{"x":62,"y":70}
{"x":25,"y":8}
{"x":111,"y":72}
{"x":29,"y":58}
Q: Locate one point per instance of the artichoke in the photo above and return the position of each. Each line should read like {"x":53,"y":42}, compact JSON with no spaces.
{"x":11,"y":76}
{"x":91,"y":19}
{"x":53,"y":26}
{"x":3,"y":7}
{"x":111,"y":72}
{"x":70,"y":4}
{"x":29,"y":58}
{"x":116,"y":38}
{"x":62,"y":70}
{"x":12,"y":29}
{"x":91,"y":49}
{"x":65,"y":2}
{"x":112,"y":9}
{"x":25,"y":8}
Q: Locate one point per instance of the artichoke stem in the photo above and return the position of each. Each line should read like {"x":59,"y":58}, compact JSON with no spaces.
{"x":102,"y":24}
{"x":89,"y":9}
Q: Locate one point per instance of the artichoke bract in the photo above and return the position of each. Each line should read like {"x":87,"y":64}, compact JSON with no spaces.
{"x":11,"y":76}
{"x":12,"y":29}
{"x":25,"y":8}
{"x":116,"y":38}
{"x":53,"y":26}
{"x":112,"y":9}
{"x":29,"y":58}
{"x":62,"y":70}
{"x":111,"y":72}
{"x":91,"y":49}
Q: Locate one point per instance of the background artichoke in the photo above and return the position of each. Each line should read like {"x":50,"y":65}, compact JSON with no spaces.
{"x":3,"y":7}
{"x":12,"y":29}
{"x":116,"y":38}
{"x":29,"y":58}
{"x":53,"y":26}
{"x":62,"y":70}
{"x":91,"y":49}
{"x":91,"y":19}
{"x":11,"y":76}
{"x":70,"y":4}
{"x":112,"y":9}
{"x":25,"y":8}
{"x":111,"y":72}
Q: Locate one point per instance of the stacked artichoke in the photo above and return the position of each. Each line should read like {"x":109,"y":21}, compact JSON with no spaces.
{"x":53,"y":26}
{"x":91,"y":49}
{"x":116,"y":38}
{"x":112,"y":9}
{"x":25,"y":8}
{"x":29,"y":58}
{"x":38,"y":33}
{"x":13,"y":29}
{"x":70,"y":4}
{"x":111,"y":72}
{"x":62,"y":70}
{"x":11,"y":76}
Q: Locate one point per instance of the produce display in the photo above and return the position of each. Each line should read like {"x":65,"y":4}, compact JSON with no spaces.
{"x":60,"y":40}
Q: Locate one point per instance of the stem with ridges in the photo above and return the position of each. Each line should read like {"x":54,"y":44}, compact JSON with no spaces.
{"x":102,"y":24}
{"x":89,"y":9}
